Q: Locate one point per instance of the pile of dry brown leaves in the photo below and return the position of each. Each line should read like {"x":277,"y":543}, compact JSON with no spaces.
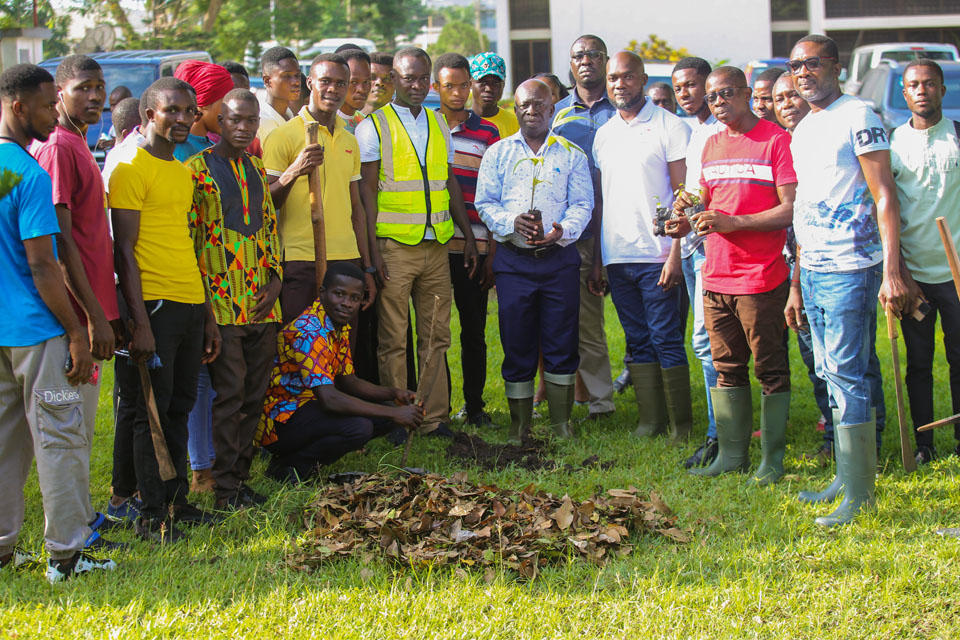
{"x":423,"y":519}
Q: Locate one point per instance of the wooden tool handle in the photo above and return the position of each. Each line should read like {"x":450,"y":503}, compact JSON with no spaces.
{"x":167,"y":472}
{"x":312,"y":132}
{"x":947,"y":238}
{"x":891,"y":324}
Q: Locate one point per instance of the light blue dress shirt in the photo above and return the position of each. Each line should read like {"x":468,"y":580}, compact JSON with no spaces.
{"x":504,"y":184}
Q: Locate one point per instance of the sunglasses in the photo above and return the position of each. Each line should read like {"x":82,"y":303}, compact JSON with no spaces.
{"x":593,"y":54}
{"x":726,"y":93}
{"x":812,"y":63}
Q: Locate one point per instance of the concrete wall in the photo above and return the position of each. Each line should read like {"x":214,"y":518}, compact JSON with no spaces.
{"x":738,"y":30}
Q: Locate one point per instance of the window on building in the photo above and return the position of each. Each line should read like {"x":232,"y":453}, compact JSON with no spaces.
{"x":529,"y":57}
{"x":859,"y":8}
{"x":788,"y":9}
{"x":529,"y":14}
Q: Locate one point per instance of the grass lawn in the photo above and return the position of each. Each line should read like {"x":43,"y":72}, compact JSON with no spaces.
{"x":758,"y":566}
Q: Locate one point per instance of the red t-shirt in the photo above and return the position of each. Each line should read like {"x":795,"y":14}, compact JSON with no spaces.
{"x":78,"y":185}
{"x":741,"y":175}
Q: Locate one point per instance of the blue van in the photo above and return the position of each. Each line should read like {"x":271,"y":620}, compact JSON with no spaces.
{"x":134,"y":69}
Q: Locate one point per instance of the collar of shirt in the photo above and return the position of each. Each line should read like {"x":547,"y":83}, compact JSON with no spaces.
{"x":472,"y":123}
{"x":267,"y":110}
{"x":338,"y":124}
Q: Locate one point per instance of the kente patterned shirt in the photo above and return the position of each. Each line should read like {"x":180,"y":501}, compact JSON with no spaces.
{"x":311,"y":353}
{"x":234,"y":227}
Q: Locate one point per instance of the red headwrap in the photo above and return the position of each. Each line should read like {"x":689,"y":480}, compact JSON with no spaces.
{"x":210,"y":81}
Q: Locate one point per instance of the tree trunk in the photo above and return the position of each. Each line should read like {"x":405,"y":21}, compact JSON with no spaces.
{"x":210,"y":17}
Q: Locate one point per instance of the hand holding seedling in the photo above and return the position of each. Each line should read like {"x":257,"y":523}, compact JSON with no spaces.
{"x":526,"y":225}
{"x":555,"y":234}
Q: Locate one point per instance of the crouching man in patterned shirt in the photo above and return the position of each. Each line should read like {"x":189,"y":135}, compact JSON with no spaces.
{"x":316,"y":409}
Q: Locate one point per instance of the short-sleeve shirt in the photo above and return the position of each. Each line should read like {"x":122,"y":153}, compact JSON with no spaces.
{"x":341,"y":166}
{"x":741,"y":175}
{"x":311,"y":353}
{"x":471,"y":139}
{"x":78,"y":185}
{"x":25,"y":213}
{"x":162,"y":191}
{"x":632,"y":158}
{"x":834,"y":215}
{"x":505,"y":121}
{"x":926,"y":166}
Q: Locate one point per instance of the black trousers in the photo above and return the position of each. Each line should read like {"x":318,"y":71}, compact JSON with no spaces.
{"x":178,"y":333}
{"x":919,"y":338}
{"x":471,"y":301}
{"x":239,"y":377}
{"x":314,"y":437}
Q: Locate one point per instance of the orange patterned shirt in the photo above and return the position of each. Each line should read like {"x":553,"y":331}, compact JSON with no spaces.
{"x":310,"y":353}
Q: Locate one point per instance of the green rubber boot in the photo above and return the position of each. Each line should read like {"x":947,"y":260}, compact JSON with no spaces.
{"x":676,"y":388}
{"x":651,"y":402}
{"x":836,"y":486}
{"x":774,"y":409}
{"x":733,"y":412}
{"x":857,"y":457}
{"x":560,"y":402}
{"x":520,"y":400}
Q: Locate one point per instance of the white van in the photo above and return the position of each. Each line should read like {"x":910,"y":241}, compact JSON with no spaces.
{"x":870,"y":56}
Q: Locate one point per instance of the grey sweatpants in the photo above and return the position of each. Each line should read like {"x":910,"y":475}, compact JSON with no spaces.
{"x":41,"y":415}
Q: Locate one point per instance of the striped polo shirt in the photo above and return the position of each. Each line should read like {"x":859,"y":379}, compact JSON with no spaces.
{"x":470,"y":141}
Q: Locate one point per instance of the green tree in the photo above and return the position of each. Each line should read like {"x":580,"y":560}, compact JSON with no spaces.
{"x":19,"y":14}
{"x":655,"y":48}
{"x":459,"y":37}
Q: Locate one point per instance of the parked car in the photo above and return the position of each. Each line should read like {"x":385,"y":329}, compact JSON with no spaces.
{"x":882,"y":90}
{"x":873,"y":55}
{"x":134,"y":69}
{"x":754,"y":68}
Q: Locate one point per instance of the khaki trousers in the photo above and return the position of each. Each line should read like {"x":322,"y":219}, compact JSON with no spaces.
{"x":419,"y":271}
{"x":41,"y":416}
{"x":594,"y":357}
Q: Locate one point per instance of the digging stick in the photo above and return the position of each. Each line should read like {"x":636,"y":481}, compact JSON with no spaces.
{"x":940,"y":423}
{"x":947,"y":238}
{"x":906,"y":451}
{"x":316,"y":211}
{"x":418,"y":398}
{"x":167,"y":472}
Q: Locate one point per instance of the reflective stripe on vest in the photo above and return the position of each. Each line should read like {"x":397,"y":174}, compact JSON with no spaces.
{"x":403,"y":209}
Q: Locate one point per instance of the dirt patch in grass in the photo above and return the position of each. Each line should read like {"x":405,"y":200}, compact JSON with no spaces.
{"x":531,"y":454}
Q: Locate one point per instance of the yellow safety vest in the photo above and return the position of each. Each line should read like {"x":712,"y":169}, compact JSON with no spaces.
{"x":403,"y":208}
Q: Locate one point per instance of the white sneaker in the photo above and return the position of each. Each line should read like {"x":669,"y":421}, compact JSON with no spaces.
{"x":79,"y":563}
{"x":18,"y":560}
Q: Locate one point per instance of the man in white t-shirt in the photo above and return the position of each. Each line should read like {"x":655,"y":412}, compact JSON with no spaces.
{"x":689,"y":83}
{"x":281,"y":84}
{"x":847,"y":222}
{"x":640,"y":157}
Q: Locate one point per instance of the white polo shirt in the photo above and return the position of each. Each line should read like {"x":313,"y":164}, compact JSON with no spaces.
{"x":632,"y":158}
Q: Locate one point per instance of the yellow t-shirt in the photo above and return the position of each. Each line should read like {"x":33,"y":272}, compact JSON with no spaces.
{"x":341,"y":166}
{"x":506,"y":122}
{"x":162,"y":191}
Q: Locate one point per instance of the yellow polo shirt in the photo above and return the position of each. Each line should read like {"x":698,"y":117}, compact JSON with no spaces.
{"x":341,"y":166}
{"x":506,"y":123}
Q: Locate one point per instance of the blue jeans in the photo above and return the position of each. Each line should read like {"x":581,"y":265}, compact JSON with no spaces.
{"x":200,"y":425}
{"x":700,"y":341}
{"x":842,"y":312}
{"x":649,"y":315}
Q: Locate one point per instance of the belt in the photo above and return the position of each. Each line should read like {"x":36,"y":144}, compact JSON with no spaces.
{"x":536,"y":252}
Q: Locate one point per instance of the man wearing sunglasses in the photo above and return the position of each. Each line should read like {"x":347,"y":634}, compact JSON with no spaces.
{"x":847,"y":221}
{"x":748,"y":185}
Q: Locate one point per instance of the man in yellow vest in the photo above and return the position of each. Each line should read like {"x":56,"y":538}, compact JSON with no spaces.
{"x":412,"y":201}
